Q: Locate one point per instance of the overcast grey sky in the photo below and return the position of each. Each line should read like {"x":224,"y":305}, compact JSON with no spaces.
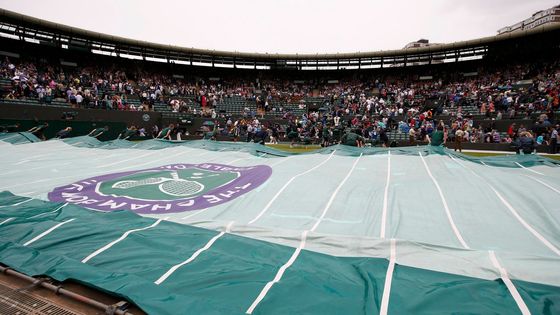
{"x":286,"y":26}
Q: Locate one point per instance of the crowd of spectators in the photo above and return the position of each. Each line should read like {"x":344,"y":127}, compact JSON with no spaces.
{"x":370,"y":107}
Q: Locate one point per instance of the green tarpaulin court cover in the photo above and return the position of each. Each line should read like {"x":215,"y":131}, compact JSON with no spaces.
{"x":204,"y":227}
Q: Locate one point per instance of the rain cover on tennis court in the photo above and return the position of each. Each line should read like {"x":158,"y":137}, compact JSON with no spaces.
{"x":231,"y":228}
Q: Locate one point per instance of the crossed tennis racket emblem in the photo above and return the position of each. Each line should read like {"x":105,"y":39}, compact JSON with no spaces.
{"x":174,"y":186}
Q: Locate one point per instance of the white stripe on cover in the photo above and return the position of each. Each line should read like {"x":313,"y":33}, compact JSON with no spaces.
{"x":388,"y":279}
{"x":545,"y":184}
{"x":45,"y":213}
{"x":17,"y":204}
{"x":445,"y":206}
{"x":6,"y":221}
{"x":511,"y":287}
{"x":530,"y":170}
{"x":125,"y":235}
{"x":331,"y":199}
{"x":385,"y":197}
{"x":193,"y":256}
{"x":279,"y":274}
{"x":40,"y":236}
{"x":515,"y":213}
{"x":286,"y":186}
{"x":525,"y":224}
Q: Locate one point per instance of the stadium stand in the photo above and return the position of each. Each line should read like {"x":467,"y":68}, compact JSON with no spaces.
{"x":370,"y":105}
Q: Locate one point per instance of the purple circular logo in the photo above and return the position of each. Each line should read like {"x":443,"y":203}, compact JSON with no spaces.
{"x":164,"y":189}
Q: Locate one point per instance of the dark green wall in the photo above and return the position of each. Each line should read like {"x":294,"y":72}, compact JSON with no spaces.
{"x":79,"y":128}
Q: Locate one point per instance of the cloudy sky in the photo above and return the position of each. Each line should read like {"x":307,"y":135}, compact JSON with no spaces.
{"x":286,"y":26}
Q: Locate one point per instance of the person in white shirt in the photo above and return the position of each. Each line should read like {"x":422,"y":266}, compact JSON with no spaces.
{"x":79,"y":99}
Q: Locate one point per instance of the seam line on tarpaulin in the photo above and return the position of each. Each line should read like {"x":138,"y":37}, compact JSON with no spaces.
{"x":171,"y":270}
{"x":45,"y":213}
{"x":279,"y":274}
{"x":445,"y":206}
{"x":17,"y":204}
{"x":385,"y":197}
{"x":298,"y":250}
{"x":285,"y":186}
{"x":112,"y":243}
{"x":528,"y":169}
{"x":47,"y":232}
{"x":510,"y":286}
{"x":545,"y":184}
{"x":388,"y":279}
{"x":526,"y":225}
{"x":6,"y":221}
{"x":333,"y":195}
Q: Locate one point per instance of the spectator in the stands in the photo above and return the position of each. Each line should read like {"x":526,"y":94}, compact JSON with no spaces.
{"x":390,"y":104}
{"x":496,"y":138}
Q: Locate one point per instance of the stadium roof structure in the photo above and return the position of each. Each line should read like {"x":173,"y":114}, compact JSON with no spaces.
{"x":30,"y":29}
